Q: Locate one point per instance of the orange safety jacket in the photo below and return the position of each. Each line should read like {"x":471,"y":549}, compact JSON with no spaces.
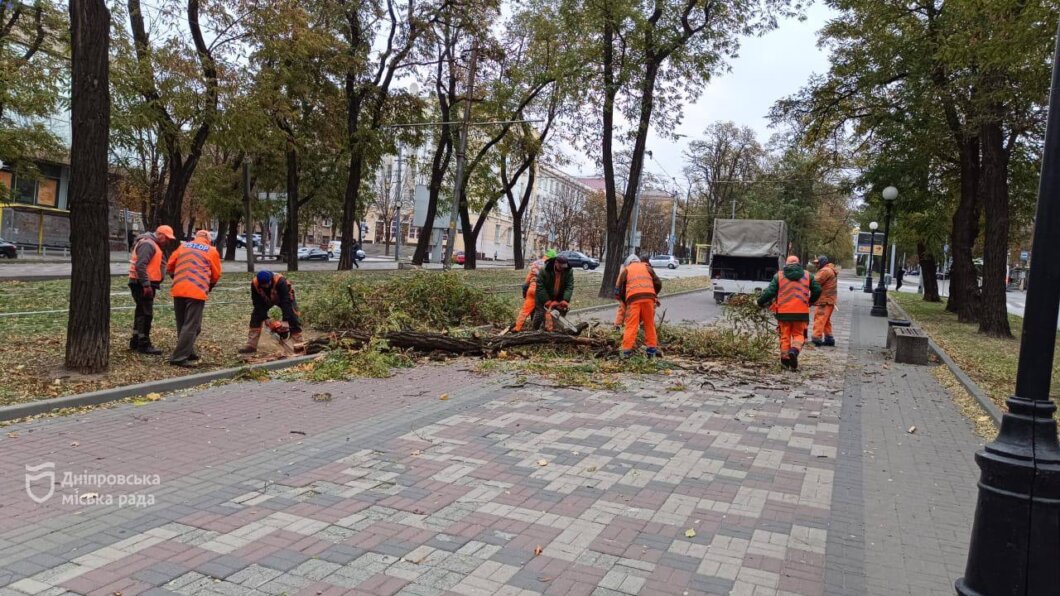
{"x":829,"y":285}
{"x":195,"y":269}
{"x":793,"y":297}
{"x":639,"y":282}
{"x":272,"y":298}
{"x":154,"y":266}
{"x":531,"y":276}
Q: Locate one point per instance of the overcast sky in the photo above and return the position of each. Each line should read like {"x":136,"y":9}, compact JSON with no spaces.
{"x":767,"y":69}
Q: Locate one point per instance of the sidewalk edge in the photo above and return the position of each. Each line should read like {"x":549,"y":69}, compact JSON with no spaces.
{"x":969,"y":385}
{"x":103,"y":396}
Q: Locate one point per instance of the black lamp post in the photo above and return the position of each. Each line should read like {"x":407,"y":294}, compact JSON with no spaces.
{"x":879,"y":297}
{"x":868,"y":262}
{"x":1015,"y":546}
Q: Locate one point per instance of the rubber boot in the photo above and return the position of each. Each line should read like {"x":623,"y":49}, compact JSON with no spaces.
{"x":627,"y":353}
{"x":816,"y":341}
{"x":829,"y":341}
{"x":144,"y":347}
{"x":134,"y":342}
{"x":654,"y":353}
{"x":252,"y":341}
{"x":793,"y":359}
{"x":785,"y":363}
{"x":298,"y":342}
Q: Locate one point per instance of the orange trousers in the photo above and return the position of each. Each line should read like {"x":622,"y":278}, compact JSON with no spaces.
{"x":640,"y":312}
{"x":527,"y":309}
{"x":822,"y":321}
{"x":792,"y":335}
{"x":620,"y":316}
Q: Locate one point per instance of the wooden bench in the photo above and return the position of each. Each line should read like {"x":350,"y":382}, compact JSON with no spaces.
{"x":910,"y":345}
{"x":891,"y":325}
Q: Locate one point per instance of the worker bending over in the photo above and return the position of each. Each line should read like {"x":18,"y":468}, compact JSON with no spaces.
{"x":267,"y":290}
{"x":555,"y":286}
{"x":530,"y":290}
{"x":639,"y":288}
{"x":620,"y":316}
{"x":792,"y":290}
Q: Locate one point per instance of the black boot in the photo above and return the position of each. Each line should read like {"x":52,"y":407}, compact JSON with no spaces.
{"x":145,"y":347}
{"x":793,"y":359}
{"x":829,"y":341}
{"x":785,"y":363}
{"x":134,"y":342}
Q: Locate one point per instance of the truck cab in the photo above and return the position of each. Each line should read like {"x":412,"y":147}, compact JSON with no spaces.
{"x":745,"y":255}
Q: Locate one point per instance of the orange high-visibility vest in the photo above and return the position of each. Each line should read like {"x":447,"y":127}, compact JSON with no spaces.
{"x":531,"y":276}
{"x":829,"y":285}
{"x":196,"y":267}
{"x":154,"y":266}
{"x":638,"y":281}
{"x":793,"y":297}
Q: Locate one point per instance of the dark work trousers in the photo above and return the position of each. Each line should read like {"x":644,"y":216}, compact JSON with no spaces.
{"x":189,"y":323}
{"x":145,"y":311}
{"x":290,"y":316}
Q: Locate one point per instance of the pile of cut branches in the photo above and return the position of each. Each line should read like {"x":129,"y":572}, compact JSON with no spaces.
{"x":470,"y":345}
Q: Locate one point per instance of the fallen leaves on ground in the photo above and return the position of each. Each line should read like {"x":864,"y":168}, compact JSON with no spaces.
{"x":690,"y":533}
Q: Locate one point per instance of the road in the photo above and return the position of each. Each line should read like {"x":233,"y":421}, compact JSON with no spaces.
{"x":1016,"y":299}
{"x":693,"y":309}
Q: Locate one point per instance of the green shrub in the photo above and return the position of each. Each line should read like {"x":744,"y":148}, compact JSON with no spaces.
{"x":745,"y":333}
{"x":422,"y":301}
{"x":373,"y":361}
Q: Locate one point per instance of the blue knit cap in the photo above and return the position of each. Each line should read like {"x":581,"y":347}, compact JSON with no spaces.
{"x":264,"y":278}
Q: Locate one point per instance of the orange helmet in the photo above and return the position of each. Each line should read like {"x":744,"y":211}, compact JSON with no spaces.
{"x":165,"y":232}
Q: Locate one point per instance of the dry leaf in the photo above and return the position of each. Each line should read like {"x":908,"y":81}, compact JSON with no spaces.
{"x":542,"y":462}
{"x":322,"y":396}
{"x":912,"y":429}
{"x":75,"y":444}
{"x":153,"y":396}
{"x":690,"y":533}
{"x":538,"y":550}
{"x":12,"y":435}
{"x":417,"y":452}
{"x":444,"y":397}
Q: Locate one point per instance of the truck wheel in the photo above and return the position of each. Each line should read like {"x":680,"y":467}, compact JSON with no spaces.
{"x":719,"y":297}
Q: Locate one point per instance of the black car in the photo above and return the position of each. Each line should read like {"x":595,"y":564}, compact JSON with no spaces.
{"x":579,"y":259}
{"x":314,"y":254}
{"x":8,"y":250}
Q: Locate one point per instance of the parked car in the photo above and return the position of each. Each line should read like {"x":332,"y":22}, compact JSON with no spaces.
{"x":668,"y":261}
{"x":241,"y":240}
{"x":579,"y":259}
{"x":303,"y":251}
{"x":459,"y":257}
{"x":314,"y":254}
{"x":8,"y":250}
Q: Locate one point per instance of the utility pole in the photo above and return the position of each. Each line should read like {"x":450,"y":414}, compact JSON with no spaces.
{"x":249,"y":223}
{"x":397,"y":199}
{"x":461,"y":157}
{"x":673,"y":226}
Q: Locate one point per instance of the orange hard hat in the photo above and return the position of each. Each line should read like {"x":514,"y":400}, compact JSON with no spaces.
{"x":793,"y":260}
{"x":165,"y":232}
{"x":203,"y":234}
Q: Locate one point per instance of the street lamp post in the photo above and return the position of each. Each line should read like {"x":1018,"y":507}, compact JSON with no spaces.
{"x":868,"y":263}
{"x":1015,"y":541}
{"x":879,"y":297}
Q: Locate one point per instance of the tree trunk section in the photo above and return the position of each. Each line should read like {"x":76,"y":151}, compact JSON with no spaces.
{"x":349,"y":211}
{"x":291,"y":236}
{"x":964,"y":287}
{"x":88,"y":325}
{"x":517,"y":238}
{"x":231,"y":240}
{"x":928,"y":273}
{"x":993,"y":311}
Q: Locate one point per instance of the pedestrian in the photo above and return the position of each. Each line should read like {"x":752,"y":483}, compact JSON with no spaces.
{"x":356,"y":251}
{"x":267,"y":290}
{"x":898,"y":275}
{"x":530,"y":290}
{"x":195,"y":268}
{"x":828,"y":279}
{"x":147,"y":265}
{"x":639,"y":288}
{"x":555,"y":286}
{"x":791,"y":291}
{"x":620,"y":316}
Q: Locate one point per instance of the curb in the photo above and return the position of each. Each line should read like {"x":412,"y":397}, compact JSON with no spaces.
{"x":962,"y":377}
{"x":103,"y":396}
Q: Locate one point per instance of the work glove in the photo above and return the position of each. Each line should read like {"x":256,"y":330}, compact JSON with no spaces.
{"x":526,"y":288}
{"x":563,"y":307}
{"x":148,"y":291}
{"x":211,"y":287}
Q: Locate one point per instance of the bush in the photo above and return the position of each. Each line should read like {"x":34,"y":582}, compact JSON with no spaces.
{"x":745,"y":333}
{"x":372,"y":361}
{"x":424,"y":301}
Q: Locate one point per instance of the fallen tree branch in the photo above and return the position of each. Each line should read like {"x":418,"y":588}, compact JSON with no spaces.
{"x":473,"y":345}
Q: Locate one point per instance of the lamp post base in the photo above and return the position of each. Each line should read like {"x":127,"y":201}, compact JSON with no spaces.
{"x":1016,"y":533}
{"x":868,"y":284}
{"x":879,"y":302}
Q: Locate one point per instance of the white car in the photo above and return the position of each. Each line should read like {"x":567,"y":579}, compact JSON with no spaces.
{"x":668,"y":261}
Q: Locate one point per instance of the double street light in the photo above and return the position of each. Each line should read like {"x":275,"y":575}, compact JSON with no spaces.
{"x":879,"y":297}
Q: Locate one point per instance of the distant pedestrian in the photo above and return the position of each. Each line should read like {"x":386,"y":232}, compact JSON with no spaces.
{"x":898,"y":275}
{"x":794,"y":290}
{"x":356,"y":251}
{"x":195,"y":268}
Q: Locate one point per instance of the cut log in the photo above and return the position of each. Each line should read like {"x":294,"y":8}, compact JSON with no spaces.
{"x":474,"y":345}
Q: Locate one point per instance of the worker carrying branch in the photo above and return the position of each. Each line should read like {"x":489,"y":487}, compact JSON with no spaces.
{"x":267,"y":290}
{"x":792,"y":291}
{"x":555,"y":286}
{"x":639,"y":288}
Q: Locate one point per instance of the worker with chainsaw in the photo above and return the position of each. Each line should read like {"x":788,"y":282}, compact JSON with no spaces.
{"x":822,"y":317}
{"x":620,"y":316}
{"x":267,"y":290}
{"x":530,"y":290}
{"x":147,"y":267}
{"x":791,"y":291}
{"x":555,"y":286}
{"x":195,"y":268}
{"x":639,"y":288}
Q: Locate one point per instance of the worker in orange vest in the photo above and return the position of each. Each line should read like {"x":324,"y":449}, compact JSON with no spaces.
{"x":639,"y":287}
{"x":195,"y":268}
{"x":620,"y":316}
{"x":793,"y":290}
{"x":147,"y":265}
{"x":530,"y":290}
{"x":822,"y":317}
{"x":267,"y":290}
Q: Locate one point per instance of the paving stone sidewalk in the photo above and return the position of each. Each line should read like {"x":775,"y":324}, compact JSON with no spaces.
{"x":691,"y":483}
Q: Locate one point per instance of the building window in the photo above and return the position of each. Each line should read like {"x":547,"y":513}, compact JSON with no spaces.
{"x":48,"y":192}
{"x":509,"y":236}
{"x":5,"y":182}
{"x":25,"y":190}
{"x":497,"y":233}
